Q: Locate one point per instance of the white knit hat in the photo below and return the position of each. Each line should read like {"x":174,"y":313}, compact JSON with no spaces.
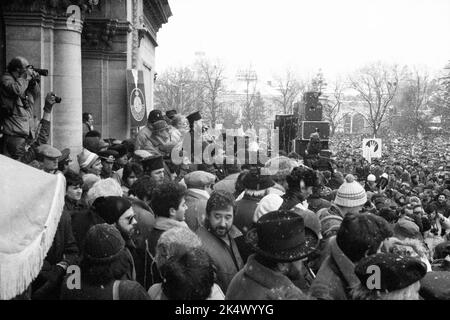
{"x":86,"y":158}
{"x":350,"y":193}
{"x":269,"y":203}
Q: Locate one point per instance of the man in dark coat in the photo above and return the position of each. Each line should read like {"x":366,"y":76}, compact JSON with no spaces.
{"x":256,"y":187}
{"x":63,"y":252}
{"x":281,"y":242}
{"x":358,"y":236}
{"x":218,"y":236}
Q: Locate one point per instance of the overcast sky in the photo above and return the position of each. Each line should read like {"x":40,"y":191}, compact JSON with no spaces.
{"x":334,"y":35}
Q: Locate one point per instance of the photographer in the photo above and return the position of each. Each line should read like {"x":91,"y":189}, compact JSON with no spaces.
{"x":19,"y":88}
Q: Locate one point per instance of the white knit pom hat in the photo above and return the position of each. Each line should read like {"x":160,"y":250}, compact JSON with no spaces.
{"x":350,"y":193}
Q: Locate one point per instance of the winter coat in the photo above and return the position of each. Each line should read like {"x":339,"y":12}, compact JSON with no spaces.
{"x":17,"y":98}
{"x":336,"y":276}
{"x":145,"y":224}
{"x":245,"y":209}
{"x":64,"y":250}
{"x":196,"y":200}
{"x":81,"y":223}
{"x":143,"y":141}
{"x":257,"y":282}
{"x":73,"y":207}
{"x":162,"y":224}
{"x":227,"y":259}
{"x":315,"y":203}
{"x":64,"y":246}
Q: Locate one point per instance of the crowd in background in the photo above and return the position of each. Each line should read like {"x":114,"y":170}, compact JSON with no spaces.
{"x":142,"y":226}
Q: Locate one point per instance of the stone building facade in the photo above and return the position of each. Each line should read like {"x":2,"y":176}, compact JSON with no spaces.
{"x":88,"y":46}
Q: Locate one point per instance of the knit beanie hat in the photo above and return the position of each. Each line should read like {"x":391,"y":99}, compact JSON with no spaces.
{"x":111,"y":208}
{"x":350,"y":193}
{"x":103,"y":243}
{"x":269,"y":203}
{"x":86,"y":159}
{"x":330,"y":224}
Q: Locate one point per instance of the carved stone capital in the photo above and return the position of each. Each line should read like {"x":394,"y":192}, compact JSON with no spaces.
{"x":55,"y":8}
{"x":99,"y":34}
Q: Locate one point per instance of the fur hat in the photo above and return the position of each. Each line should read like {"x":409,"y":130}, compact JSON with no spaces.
{"x":435,"y":286}
{"x":104,"y":188}
{"x":152,"y":163}
{"x":173,"y":242}
{"x":396,"y":271}
{"x":350,"y":193}
{"x":89,"y":180}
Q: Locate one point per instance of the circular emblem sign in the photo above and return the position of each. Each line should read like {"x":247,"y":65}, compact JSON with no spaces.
{"x":137,"y":104}
{"x":372,"y":144}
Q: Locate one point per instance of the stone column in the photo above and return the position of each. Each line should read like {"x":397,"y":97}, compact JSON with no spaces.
{"x":67,"y":116}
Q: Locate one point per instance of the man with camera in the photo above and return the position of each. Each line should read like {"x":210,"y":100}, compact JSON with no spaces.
{"x":19,"y":89}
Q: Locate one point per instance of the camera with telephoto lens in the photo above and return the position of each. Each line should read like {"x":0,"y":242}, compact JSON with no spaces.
{"x":41,"y":72}
{"x":57,"y":99}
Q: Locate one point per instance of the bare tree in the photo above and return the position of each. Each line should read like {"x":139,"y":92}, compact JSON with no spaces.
{"x":250,"y":78}
{"x":180,"y":90}
{"x":289,"y":89}
{"x":211,"y":76}
{"x":441,"y":98}
{"x":254,"y":116}
{"x":376,"y":85}
{"x":414,"y":96}
{"x":332,"y":106}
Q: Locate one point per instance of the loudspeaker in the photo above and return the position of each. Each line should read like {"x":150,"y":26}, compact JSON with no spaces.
{"x":309,"y":127}
{"x":313,"y":108}
{"x":288,"y":128}
{"x":300,"y":146}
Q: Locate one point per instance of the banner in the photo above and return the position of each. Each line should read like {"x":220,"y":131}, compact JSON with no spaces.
{"x":371,"y":149}
{"x":137,"y":103}
{"x":31,"y":205}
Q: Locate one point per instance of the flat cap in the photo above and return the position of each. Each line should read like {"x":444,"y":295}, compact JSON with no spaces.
{"x":142,"y":154}
{"x":48,"y":151}
{"x":199,"y":179}
{"x":64,"y":155}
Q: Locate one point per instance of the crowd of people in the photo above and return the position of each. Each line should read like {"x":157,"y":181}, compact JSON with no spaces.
{"x":141,"y":225}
